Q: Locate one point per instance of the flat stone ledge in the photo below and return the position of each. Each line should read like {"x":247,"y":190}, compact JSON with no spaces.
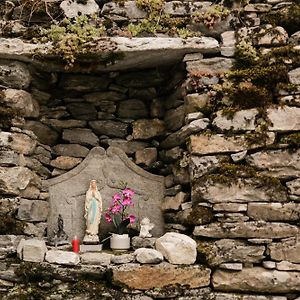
{"x":136,"y":53}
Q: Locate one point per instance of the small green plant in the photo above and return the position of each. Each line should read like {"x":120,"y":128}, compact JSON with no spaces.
{"x":72,"y":37}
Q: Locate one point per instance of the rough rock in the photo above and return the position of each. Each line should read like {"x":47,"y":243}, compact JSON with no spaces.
{"x":138,"y":242}
{"x":257,"y":280}
{"x":177,"y":248}
{"x":236,"y":157}
{"x":35,"y":229}
{"x":174,"y":118}
{"x":274,"y":211}
{"x":146,"y":156}
{"x":288,"y":250}
{"x":241,"y":191}
{"x":212,"y":66}
{"x":230,"y":207}
{"x":173,"y":203}
{"x":82,"y":136}
{"x":148,"y":256}
{"x":200,"y":166}
{"x":229,"y":250}
{"x":110,"y":128}
{"x":193,"y":116}
{"x":122,"y":259}
{"x":195,"y":102}
{"x":95,"y":258}
{"x":129,"y":9}
{"x":258,"y":7}
{"x":129,"y":147}
{"x":294,"y":187}
{"x":82,"y":111}
{"x":15,"y":180}
{"x":61,"y":257}
{"x":287,"y":266}
{"x":32,"y":250}
{"x":218,"y":143}
{"x":146,"y":277}
{"x":242,"y":120}
{"x":33,"y":210}
{"x":277,"y":163}
{"x":65,"y":162}
{"x":74,"y":150}
{"x":8,"y":158}
{"x":269,"y":264}
{"x":132,"y":109}
{"x":231,"y":266}
{"x":21,"y":101}
{"x":294,"y":76}
{"x":146,"y":129}
{"x":45,"y":134}
{"x":177,"y":138}
{"x":252,"y":229}
{"x":73,"y":9}
{"x":64,"y":124}
{"x":284,"y":118}
{"x":14,"y":75}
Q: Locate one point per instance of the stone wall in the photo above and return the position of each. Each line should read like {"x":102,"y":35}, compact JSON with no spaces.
{"x":220,"y":120}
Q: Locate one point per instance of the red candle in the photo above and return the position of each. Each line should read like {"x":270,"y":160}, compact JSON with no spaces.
{"x":75,"y":244}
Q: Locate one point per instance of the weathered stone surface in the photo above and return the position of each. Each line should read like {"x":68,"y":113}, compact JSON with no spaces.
{"x":294,"y":187}
{"x":33,"y":210}
{"x":173,"y":203}
{"x":228,"y":39}
{"x":129,"y":147}
{"x":110,"y":128}
{"x":241,"y":190}
{"x":228,"y":250}
{"x":8,"y":158}
{"x":32,"y":250}
{"x":294,"y":76}
{"x":174,"y":118}
{"x":230,"y":207}
{"x":139,"y":53}
{"x":122,"y":259}
{"x":146,"y":277}
{"x":236,"y":157}
{"x":274,"y":211}
{"x":199,"y":166}
{"x":231,"y":266}
{"x":64,"y":124}
{"x":196,"y":215}
{"x":177,"y":248}
{"x":15,"y":180}
{"x":132,"y":109}
{"x":212,"y":66}
{"x":61,"y":257}
{"x":193,"y":116}
{"x":9,"y":243}
{"x":129,"y":9}
{"x":277,"y":163}
{"x":195,"y":102}
{"x":288,"y":250}
{"x":82,"y":111}
{"x":73,"y":9}
{"x":179,"y":137}
{"x":269,"y":264}
{"x":172,"y":154}
{"x":109,"y":169}
{"x":284,"y":118}
{"x":287,"y":266}
{"x":138,"y":242}
{"x":251,"y":229}
{"x":146,"y":129}
{"x":35,"y":229}
{"x":14,"y":75}
{"x":146,"y":156}
{"x":148,"y":256}
{"x":65,"y":162}
{"x":256,"y":279}
{"x":21,"y":101}
{"x":84,"y":83}
{"x":82,"y":136}
{"x":217,"y":143}
{"x":258,"y":7}
{"x":260,"y":241}
{"x":242,"y":120}
{"x":94,"y":258}
{"x":98,"y":97}
{"x":45,"y":134}
{"x":74,"y":150}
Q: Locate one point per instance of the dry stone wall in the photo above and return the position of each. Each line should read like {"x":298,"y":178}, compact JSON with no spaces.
{"x":219,"y":118}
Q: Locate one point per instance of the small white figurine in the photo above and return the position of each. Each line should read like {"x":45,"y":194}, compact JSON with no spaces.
{"x":146,"y":226}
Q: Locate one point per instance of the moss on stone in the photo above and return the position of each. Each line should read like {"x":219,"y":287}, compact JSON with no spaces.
{"x":292,"y":139}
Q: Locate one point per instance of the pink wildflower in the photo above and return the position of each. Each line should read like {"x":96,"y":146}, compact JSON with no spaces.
{"x":128,"y":192}
{"x":131,"y":218}
{"x":108,"y":218}
{"x":127,"y":201}
{"x":116,"y":197}
{"x":116,"y":209}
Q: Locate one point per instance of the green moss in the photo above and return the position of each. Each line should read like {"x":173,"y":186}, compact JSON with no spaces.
{"x":292,"y":139}
{"x":287,"y":17}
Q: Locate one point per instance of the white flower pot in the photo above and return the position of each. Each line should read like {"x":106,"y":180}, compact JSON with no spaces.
{"x":120,"y":241}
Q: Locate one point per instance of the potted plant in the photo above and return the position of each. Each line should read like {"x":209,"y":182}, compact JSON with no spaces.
{"x":117,"y":214}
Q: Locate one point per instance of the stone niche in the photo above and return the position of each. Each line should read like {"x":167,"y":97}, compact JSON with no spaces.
{"x":111,"y":169}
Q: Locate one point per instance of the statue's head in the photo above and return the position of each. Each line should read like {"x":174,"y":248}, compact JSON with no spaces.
{"x":145,"y":221}
{"x":93,"y":184}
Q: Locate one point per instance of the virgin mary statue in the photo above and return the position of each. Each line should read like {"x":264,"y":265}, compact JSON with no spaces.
{"x":93,"y":211}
